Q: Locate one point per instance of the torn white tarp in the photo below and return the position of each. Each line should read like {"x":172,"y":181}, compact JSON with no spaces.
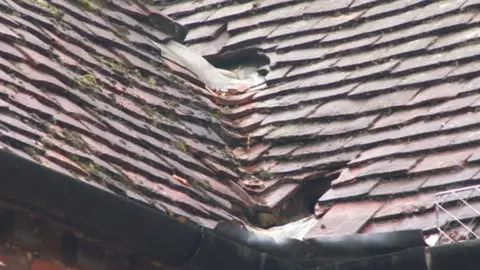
{"x":296,"y":230}
{"x":214,"y":78}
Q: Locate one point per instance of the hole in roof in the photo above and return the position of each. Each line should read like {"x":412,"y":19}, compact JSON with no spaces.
{"x":249,"y":64}
{"x":238,"y":77}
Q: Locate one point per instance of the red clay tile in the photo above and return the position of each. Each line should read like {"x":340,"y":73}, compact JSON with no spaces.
{"x":312,"y":68}
{"x":338,"y":108}
{"x":409,"y":48}
{"x":324,"y":146}
{"x":294,"y":130}
{"x":435,"y":9}
{"x":251,"y":152}
{"x":437,"y":92}
{"x":375,"y":70}
{"x":249,"y":37}
{"x":362,"y":58}
{"x":426,"y":76}
{"x":332,"y":161}
{"x":289,"y":115}
{"x":451,"y":178}
{"x":426,"y":221}
{"x":376,"y":153}
{"x":294,"y":28}
{"x":351,"y":191}
{"x":453,"y":105}
{"x":347,"y":126}
{"x":407,"y":205}
{"x":442,"y":161}
{"x":344,"y":219}
{"x":288,"y":167}
{"x":298,"y":42}
{"x":397,"y":186}
{"x":391,"y":101}
{"x":393,"y":167}
{"x":462,"y":121}
{"x":374,"y":87}
{"x":280,"y":151}
{"x":278,"y":195}
{"x":249,"y":123}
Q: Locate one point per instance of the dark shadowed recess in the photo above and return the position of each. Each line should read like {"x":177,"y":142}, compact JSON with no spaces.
{"x":232,"y":59}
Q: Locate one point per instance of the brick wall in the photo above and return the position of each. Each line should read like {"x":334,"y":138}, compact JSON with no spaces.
{"x":31,"y":242}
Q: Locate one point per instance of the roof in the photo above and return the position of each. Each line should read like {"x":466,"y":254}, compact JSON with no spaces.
{"x":102,"y":97}
{"x":85,"y":91}
{"x":374,"y":100}
{"x":379,"y":96}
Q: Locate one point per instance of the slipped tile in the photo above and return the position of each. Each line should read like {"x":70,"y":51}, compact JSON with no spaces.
{"x":278,"y":194}
{"x":443,"y":161}
{"x":345,"y":219}
{"x":335,"y":128}
{"x":289,"y":115}
{"x":352,"y":191}
{"x":407,"y":205}
{"x":321,"y":147}
{"x":294,"y":130}
{"x":394,"y":187}
{"x":453,"y":178}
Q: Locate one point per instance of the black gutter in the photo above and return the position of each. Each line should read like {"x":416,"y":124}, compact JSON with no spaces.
{"x":120,"y":221}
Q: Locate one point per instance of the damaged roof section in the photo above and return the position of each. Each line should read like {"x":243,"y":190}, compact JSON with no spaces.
{"x":379,"y":97}
{"x":215,"y":79}
{"x":93,"y":92}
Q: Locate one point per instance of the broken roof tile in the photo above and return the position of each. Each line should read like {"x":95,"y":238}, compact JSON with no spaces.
{"x":294,"y":130}
{"x":321,"y":147}
{"x":394,"y":187}
{"x":338,"y":108}
{"x":302,"y":25}
{"x":345,"y":219}
{"x":378,"y":152}
{"x":442,"y":161}
{"x":375,"y":87}
{"x":437,"y":92}
{"x":289,"y":115}
{"x":331,"y":161}
{"x":348,"y":126}
{"x":392,"y":167}
{"x":406,"y":205}
{"x":452,"y":178}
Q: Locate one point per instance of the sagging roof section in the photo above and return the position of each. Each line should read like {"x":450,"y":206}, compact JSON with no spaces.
{"x":379,"y":96}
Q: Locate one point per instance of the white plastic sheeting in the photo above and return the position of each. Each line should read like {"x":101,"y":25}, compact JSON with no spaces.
{"x":296,"y":230}
{"x":214,"y":78}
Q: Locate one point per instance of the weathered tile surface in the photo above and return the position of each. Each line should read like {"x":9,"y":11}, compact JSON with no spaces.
{"x":83,"y":91}
{"x":383,"y":93}
{"x":389,"y":89}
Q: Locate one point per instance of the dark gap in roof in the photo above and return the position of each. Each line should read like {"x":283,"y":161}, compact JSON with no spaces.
{"x":314,"y":189}
{"x":300,"y":204}
{"x":248,"y":56}
{"x":250,"y":65}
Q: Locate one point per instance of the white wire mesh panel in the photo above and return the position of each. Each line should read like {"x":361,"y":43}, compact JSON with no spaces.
{"x":458,"y":214}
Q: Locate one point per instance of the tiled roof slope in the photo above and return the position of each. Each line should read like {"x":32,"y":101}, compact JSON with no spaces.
{"x":85,"y":91}
{"x":381,"y":95}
